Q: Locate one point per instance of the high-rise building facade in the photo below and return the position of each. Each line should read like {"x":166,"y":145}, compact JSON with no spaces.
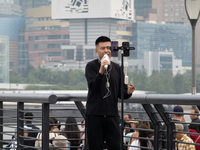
{"x":124,"y":31}
{"x":23,"y":56}
{"x":4,"y":59}
{"x":162,"y":62}
{"x":11,"y":26}
{"x":163,"y":37}
{"x":10,"y":8}
{"x":170,"y":11}
{"x":173,"y":11}
{"x":68,"y":24}
{"x":26,"y":4}
{"x":142,"y":9}
{"x":45,"y":36}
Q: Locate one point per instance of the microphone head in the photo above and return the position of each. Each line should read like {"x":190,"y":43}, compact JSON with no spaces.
{"x":105,"y":57}
{"x":106,"y":66}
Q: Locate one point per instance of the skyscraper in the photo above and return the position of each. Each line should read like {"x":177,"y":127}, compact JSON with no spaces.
{"x":4,"y":59}
{"x":163,"y":37}
{"x":173,"y":11}
{"x":25,"y":4}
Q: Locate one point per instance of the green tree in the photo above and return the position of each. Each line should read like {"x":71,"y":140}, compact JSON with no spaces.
{"x":198,"y":82}
{"x":182,"y":83}
{"x":166,"y":83}
{"x":153,"y":83}
{"x":139,"y":79}
{"x":15,"y":78}
{"x":76,"y":77}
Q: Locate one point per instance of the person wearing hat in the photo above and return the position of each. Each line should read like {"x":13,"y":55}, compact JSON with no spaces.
{"x":61,"y":143}
{"x":183,"y":138}
{"x":178,"y":117}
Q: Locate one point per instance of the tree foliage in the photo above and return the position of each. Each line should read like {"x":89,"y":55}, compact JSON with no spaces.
{"x":160,"y":83}
{"x":52,"y":80}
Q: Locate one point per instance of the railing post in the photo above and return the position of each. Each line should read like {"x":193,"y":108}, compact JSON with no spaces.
{"x":20,"y":125}
{"x":45,"y":126}
{"x":1,"y":124}
{"x":170,"y":126}
{"x":157,"y":125}
{"x":80,"y":107}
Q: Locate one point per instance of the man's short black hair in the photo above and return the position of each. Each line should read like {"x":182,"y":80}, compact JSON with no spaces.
{"x":102,"y":39}
{"x":28,"y":115}
{"x":196,"y":110}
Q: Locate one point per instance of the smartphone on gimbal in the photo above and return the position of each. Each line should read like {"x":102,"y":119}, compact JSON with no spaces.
{"x":114,"y":50}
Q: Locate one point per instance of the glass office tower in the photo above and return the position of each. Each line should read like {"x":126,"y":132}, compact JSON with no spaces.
{"x":162,"y":37}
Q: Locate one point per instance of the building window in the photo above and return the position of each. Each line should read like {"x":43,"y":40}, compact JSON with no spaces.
{"x":31,"y":38}
{"x":70,"y":54}
{"x":35,"y":46}
{"x":54,"y":37}
{"x":65,"y":36}
{"x":36,"y":37}
{"x":57,"y":45}
{"x":89,"y":54}
{"x":51,"y":54}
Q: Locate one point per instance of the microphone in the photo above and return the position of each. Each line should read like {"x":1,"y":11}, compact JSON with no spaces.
{"x":106,"y":66}
{"x":105,"y":57}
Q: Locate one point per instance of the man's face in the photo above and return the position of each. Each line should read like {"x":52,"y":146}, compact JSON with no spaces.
{"x":179,"y":136}
{"x":103,"y":48}
{"x":133,"y":125}
{"x":193,"y":116}
{"x":25,"y":133}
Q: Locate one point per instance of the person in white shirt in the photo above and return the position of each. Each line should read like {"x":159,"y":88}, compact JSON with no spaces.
{"x":138,"y":143}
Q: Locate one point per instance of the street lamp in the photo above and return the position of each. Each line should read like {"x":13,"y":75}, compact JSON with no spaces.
{"x":192,"y":8}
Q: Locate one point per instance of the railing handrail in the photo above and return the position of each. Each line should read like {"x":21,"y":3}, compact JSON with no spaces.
{"x":29,"y":98}
{"x":135,"y":98}
{"x":147,"y":101}
{"x":176,"y":99}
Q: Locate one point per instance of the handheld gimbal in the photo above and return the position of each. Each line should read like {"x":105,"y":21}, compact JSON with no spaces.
{"x":126,"y":52}
{"x":125,"y":47}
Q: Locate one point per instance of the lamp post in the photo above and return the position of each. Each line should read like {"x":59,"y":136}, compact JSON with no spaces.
{"x":192,"y":8}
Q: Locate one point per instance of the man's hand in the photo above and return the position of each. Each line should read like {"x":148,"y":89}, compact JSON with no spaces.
{"x":131,"y":88}
{"x":102,"y":68}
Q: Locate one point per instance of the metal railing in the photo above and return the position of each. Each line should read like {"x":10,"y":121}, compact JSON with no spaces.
{"x":152,"y":106}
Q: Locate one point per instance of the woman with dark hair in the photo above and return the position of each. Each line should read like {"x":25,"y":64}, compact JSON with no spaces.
{"x":54,"y":125}
{"x":72,"y":133}
{"x":137,"y":144}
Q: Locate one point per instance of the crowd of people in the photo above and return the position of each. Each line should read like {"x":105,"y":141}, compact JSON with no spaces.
{"x":70,"y":137}
{"x":138,"y":134}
